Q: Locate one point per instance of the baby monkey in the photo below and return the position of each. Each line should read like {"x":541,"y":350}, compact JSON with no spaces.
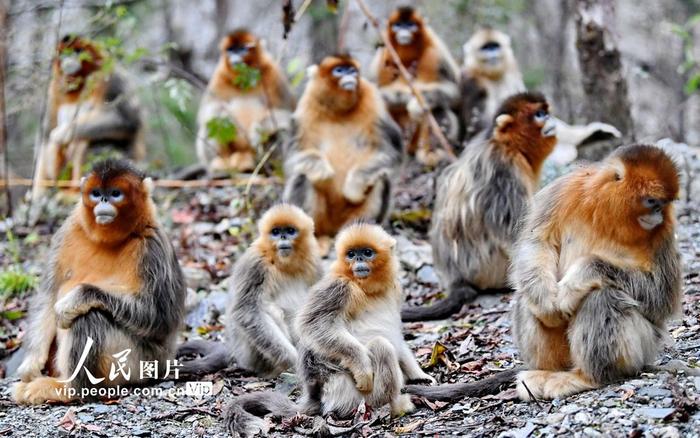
{"x":597,"y":273}
{"x":270,"y":283}
{"x":112,"y":284}
{"x":351,"y":345}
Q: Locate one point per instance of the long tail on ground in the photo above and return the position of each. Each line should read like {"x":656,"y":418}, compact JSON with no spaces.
{"x":244,"y":415}
{"x":214,"y":357}
{"x":442,"y":309}
{"x":456,"y":391}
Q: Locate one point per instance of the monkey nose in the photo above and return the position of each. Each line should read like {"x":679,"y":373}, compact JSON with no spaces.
{"x":348,"y":82}
{"x":654,"y":204}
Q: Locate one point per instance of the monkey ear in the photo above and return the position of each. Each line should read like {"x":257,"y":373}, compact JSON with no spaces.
{"x":311,"y":71}
{"x":148,"y":185}
{"x":83,"y":180}
{"x":503,"y":121}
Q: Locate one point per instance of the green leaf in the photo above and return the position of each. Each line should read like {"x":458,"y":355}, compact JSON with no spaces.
{"x":121,"y":11}
{"x":137,"y":54}
{"x":693,"y":84}
{"x":246,"y":77}
{"x":222,"y":130}
{"x":12,"y":315}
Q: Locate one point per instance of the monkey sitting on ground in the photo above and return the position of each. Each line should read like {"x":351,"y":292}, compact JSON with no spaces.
{"x":352,"y":348}
{"x":480,"y":199}
{"x":88,"y":108}
{"x":436,"y":75}
{"x":340,"y":163}
{"x":271,"y":281}
{"x":491,"y":74}
{"x":249,"y":90}
{"x":113,"y":278}
{"x":597,"y":273}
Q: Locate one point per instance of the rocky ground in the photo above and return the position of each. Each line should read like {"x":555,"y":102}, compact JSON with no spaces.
{"x":211,"y":227}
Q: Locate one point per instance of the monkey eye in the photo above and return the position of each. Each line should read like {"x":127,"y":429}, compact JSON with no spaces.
{"x":342,"y":70}
{"x":368,"y":253}
{"x":541,"y":115}
{"x":491,"y":45}
{"x":291,"y":231}
{"x":618,"y":177}
{"x":95,"y":195}
{"x":116,"y":195}
{"x":351,"y":254}
{"x":275,"y":231}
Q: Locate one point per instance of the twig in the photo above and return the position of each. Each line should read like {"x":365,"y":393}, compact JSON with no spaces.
{"x":532,"y":396}
{"x":164,"y":183}
{"x":343,"y":29}
{"x":434,"y":126}
{"x":4,"y":21}
{"x":304,"y":6}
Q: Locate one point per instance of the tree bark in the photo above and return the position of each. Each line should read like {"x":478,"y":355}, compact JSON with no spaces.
{"x":604,"y":85}
{"x":4,"y":21}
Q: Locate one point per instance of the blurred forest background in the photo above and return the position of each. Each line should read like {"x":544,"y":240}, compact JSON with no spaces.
{"x":169,"y":48}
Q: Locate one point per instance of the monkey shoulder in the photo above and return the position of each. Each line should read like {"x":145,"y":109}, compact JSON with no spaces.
{"x":249,"y":276}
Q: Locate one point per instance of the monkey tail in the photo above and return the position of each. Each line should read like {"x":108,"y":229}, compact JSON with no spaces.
{"x":214,"y":357}
{"x":456,"y":391}
{"x":244,"y":415}
{"x":458,"y":295}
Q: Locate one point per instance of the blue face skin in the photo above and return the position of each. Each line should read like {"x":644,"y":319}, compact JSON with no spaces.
{"x":283,"y":237}
{"x":104,"y":200}
{"x":347,"y":76}
{"x":237,"y":53}
{"x":359,"y":258}
{"x":344,"y":70}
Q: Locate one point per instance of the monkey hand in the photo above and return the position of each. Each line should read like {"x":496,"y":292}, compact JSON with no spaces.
{"x":323,"y":171}
{"x":549,"y":316}
{"x":70,"y":306}
{"x":415,"y":110}
{"x":574,"y":286}
{"x":394,"y":97}
{"x":354,"y":189}
{"x":364,"y":380}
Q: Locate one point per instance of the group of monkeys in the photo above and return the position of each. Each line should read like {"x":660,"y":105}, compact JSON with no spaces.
{"x":592,"y":257}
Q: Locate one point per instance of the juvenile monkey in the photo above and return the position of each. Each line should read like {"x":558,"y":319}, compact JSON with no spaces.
{"x":345,"y":149}
{"x":112,"y":277}
{"x":480,"y":199}
{"x":436,"y":75}
{"x":271,"y":281}
{"x":351,"y":345}
{"x":597,"y":273}
{"x":490,"y":74}
{"x":87,"y":108}
{"x":247,"y":89}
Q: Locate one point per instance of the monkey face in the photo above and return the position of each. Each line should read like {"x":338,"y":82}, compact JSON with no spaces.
{"x":239,"y":47}
{"x":403,"y":32}
{"x":105,"y":202}
{"x":404,"y":26}
{"x":360,"y":260}
{"x":347,"y":76}
{"x":525,"y":117}
{"x":283,"y":237}
{"x":77,"y":57}
{"x":490,"y":54}
{"x":638,"y":185}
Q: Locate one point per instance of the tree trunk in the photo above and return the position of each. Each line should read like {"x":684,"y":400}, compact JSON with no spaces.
{"x":5,"y":172}
{"x":323,"y":31}
{"x":604,"y":85}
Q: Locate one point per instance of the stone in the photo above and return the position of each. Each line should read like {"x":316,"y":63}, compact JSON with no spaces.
{"x":426,"y":275}
{"x":582,"y":418}
{"x":653,"y":392}
{"x":570,"y":409}
{"x":658,"y":413}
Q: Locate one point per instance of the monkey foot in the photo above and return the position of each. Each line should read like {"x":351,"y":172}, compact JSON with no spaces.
{"x":41,"y":390}
{"x":552,"y":384}
{"x":402,"y":405}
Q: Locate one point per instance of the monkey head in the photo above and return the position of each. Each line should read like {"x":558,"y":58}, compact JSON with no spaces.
{"x":240,"y":47}
{"x":365,"y":255}
{"x":405,"y":27}
{"x":76,"y":59}
{"x":335,"y":83}
{"x":285,"y":230}
{"x":115,"y":201}
{"x":489,"y":52}
{"x":523,"y":124}
{"x":635,"y":187}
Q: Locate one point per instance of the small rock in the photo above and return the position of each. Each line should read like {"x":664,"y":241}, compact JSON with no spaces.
{"x":196,"y":278}
{"x":582,"y":418}
{"x":141,"y":432}
{"x":659,"y":413}
{"x":555,"y":418}
{"x":589,"y":431}
{"x":570,"y":409}
{"x":102,"y":409}
{"x":426,"y":275}
{"x":86,"y":418}
{"x":653,"y":392}
{"x":668,"y":432}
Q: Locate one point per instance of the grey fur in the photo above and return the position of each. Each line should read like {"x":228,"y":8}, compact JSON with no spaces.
{"x":479,"y":201}
{"x":456,"y":391}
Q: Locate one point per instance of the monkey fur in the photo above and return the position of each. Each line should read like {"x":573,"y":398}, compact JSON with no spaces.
{"x":597,"y":274}
{"x":351,"y":345}
{"x":88,"y":108}
{"x":345,"y":149}
{"x":480,"y":199}
{"x":112,"y":276}
{"x":436,"y":75}
{"x":271,"y":281}
{"x":256,"y":107}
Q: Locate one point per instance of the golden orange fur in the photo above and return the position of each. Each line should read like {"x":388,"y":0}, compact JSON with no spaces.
{"x":328,"y":115}
{"x":385,"y":266}
{"x":305,"y":246}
